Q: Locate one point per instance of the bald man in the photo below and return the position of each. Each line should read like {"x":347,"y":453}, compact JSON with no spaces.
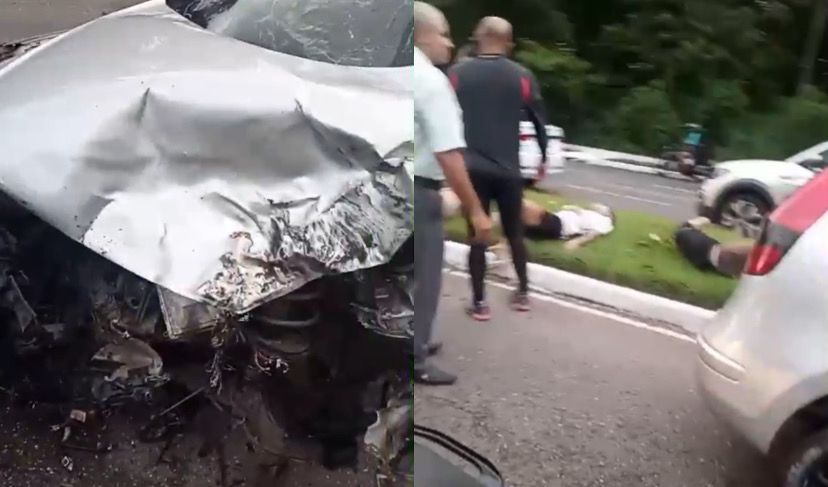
{"x":495,"y":93}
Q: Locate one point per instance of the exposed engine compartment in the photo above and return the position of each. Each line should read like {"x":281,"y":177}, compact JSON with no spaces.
{"x":321,"y":363}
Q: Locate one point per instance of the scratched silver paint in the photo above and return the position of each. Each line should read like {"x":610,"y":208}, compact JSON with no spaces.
{"x":225,"y":172}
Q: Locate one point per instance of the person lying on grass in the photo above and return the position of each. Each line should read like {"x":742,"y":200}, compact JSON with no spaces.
{"x":706,"y":253}
{"x":578,"y":225}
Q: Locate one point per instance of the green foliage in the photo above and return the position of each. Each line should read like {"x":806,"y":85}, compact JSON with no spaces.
{"x":793,"y":125}
{"x":645,"y":120}
{"x":723,"y":102}
{"x":626,"y":73}
{"x":568,"y":83}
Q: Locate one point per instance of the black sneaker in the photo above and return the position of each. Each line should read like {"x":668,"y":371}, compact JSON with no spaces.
{"x":429,"y":374}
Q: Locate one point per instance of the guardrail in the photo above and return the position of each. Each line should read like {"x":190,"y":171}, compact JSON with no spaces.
{"x":619,"y":160}
{"x":586,"y":153}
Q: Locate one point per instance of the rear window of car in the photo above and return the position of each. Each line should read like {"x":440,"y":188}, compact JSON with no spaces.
{"x":351,"y":32}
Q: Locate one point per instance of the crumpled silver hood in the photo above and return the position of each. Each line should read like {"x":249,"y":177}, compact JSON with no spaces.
{"x":227,"y":173}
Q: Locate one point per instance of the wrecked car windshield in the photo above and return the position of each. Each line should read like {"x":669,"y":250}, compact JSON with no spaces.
{"x":356,"y":33}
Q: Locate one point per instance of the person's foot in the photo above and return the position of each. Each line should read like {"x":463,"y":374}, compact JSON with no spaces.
{"x":520,"y":301}
{"x":430,"y":374}
{"x":480,"y":311}
{"x":433,"y":348}
{"x":697,"y":222}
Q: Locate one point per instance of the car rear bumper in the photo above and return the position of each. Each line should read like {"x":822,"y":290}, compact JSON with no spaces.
{"x":754,"y":369}
{"x":722,"y":388}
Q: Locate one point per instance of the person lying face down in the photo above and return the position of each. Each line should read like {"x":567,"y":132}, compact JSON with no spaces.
{"x":706,"y":253}
{"x":576,"y":224}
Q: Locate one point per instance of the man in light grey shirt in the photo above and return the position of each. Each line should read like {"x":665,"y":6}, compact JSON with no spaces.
{"x":439,"y":140}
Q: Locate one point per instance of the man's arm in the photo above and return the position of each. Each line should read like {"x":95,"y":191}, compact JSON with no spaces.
{"x":536,"y":111}
{"x":540,"y":132}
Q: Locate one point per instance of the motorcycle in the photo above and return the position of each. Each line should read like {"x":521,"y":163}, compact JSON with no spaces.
{"x":693,"y":158}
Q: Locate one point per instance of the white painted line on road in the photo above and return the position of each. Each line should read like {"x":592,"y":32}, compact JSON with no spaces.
{"x":648,"y":191}
{"x":694,"y":192}
{"x":587,"y":310}
{"x":618,"y":195}
{"x":620,"y":165}
{"x":629,"y":168}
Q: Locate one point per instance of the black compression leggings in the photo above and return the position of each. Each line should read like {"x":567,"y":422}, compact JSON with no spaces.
{"x":507,"y":192}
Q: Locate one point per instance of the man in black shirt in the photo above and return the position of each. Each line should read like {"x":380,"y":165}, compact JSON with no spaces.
{"x":495,"y":93}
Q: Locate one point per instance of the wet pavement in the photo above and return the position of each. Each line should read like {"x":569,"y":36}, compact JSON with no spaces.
{"x":625,"y":190}
{"x":560,"y":397}
{"x":25,"y":18}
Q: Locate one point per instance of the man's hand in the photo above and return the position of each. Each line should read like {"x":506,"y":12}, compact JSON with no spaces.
{"x":454,"y":167}
{"x":482,"y":225}
{"x":541,"y":172}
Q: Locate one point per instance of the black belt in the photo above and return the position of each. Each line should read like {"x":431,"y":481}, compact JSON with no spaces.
{"x":427,"y":183}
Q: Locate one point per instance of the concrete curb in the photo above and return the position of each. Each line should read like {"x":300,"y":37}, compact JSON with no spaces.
{"x":648,"y":307}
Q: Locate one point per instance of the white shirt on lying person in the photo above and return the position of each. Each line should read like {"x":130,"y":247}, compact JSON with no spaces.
{"x":576,"y":221}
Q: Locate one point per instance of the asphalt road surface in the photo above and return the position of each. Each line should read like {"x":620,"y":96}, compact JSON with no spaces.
{"x":25,"y":18}
{"x":672,"y":198}
{"x":562,"y":397}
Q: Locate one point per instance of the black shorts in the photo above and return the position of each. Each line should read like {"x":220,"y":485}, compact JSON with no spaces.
{"x":507,"y":192}
{"x":695,"y":246}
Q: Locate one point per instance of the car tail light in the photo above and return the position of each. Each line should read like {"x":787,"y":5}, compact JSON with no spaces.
{"x":785,"y":225}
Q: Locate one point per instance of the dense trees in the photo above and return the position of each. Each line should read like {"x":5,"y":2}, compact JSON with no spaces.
{"x":627,"y":73}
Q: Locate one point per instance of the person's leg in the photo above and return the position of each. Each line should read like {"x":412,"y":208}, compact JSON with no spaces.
{"x":428,"y":273}
{"x":477,"y":250}
{"x":696,"y":246}
{"x":509,"y":201}
{"x":730,"y":259}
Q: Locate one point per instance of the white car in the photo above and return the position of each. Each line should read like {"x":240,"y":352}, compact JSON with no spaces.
{"x":741,"y":193}
{"x":763,"y":359}
{"x":530,"y":154}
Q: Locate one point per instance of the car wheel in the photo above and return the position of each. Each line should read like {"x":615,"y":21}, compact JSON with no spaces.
{"x":743,"y":212}
{"x":807,"y":466}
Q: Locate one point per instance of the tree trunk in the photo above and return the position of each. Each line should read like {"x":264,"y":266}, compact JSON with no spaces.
{"x":812,"y":45}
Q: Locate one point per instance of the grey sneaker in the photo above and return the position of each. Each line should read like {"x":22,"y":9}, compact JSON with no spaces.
{"x":433,"y":348}
{"x":480,"y":311}
{"x":430,"y":374}
{"x":520,"y":301}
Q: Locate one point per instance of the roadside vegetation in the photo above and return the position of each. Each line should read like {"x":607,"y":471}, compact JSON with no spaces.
{"x":625,"y":75}
{"x":639,"y":254}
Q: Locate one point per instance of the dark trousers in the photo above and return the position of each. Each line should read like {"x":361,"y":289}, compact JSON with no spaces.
{"x":507,"y":192}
